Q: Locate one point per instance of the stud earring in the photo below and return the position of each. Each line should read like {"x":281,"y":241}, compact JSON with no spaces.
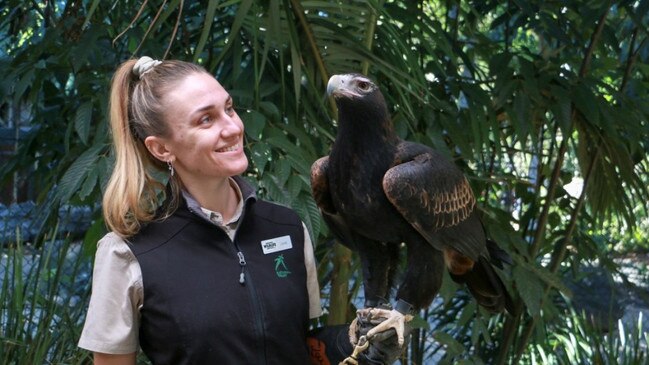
{"x":171,"y":168}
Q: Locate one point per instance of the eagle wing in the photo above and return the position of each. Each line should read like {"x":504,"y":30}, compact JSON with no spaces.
{"x":434,"y":196}
{"x":322,"y":197}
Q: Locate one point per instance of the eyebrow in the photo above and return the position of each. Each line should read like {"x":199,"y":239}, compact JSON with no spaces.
{"x":202,"y":109}
{"x":210,"y":106}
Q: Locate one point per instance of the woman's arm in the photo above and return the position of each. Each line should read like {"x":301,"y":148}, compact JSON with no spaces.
{"x":111,"y":359}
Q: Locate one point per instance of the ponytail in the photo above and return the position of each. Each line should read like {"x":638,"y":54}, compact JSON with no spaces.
{"x":133,"y":194}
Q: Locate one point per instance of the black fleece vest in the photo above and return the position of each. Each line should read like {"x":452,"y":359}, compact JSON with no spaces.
{"x":196,"y":310}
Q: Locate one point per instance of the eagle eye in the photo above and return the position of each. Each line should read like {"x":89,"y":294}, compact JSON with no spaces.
{"x":364,"y":85}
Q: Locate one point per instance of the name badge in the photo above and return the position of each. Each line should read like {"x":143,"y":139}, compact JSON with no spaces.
{"x":276,"y":244}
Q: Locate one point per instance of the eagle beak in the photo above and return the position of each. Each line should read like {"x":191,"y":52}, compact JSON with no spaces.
{"x":341,"y":85}
{"x":334,"y":84}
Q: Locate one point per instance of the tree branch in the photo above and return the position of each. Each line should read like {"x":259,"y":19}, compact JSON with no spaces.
{"x":369,"y":34}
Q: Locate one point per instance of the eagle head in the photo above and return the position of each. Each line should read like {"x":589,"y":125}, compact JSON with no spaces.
{"x":350,"y":86}
{"x":356,"y":94}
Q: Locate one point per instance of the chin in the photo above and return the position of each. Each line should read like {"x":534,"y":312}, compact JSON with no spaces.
{"x":242,"y":166}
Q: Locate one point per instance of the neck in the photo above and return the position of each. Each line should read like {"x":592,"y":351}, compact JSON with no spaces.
{"x":216,"y":195}
{"x":367,"y":132}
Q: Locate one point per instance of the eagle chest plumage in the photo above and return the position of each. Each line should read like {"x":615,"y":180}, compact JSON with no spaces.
{"x":356,"y":170}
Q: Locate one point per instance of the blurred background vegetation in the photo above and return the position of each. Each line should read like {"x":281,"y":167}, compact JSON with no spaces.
{"x":544,"y":104}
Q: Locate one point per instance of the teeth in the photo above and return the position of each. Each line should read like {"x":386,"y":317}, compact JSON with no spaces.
{"x":229,"y":149}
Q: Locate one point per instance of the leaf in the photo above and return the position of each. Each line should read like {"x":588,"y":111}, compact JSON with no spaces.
{"x":105,"y":168}
{"x":530,"y":289}
{"x":586,"y":103}
{"x":452,"y":346}
{"x":71,"y":180}
{"x":25,"y":81}
{"x":294,"y":186}
{"x":271,"y":110}
{"x":448,"y":289}
{"x":309,"y":213}
{"x":300,"y":135}
{"x":260,"y":155}
{"x":82,"y":121}
{"x":313,"y":218}
{"x":296,"y":71}
{"x":301,"y":165}
{"x":89,"y":184}
{"x":419,"y":322}
{"x":480,"y":329}
{"x":282,"y":142}
{"x":522,"y":115}
{"x":207,"y":29}
{"x":254,"y":123}
{"x":276,"y":191}
{"x":468,"y":313}
{"x":543,"y":274}
{"x":85,"y":49}
{"x":235,"y":27}
{"x":281,"y":171}
{"x":561,"y":108}
{"x":93,"y":234}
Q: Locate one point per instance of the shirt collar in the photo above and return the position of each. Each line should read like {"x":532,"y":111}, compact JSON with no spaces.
{"x":244,"y":191}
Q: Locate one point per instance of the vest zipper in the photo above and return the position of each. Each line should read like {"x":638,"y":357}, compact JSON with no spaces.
{"x":254,"y":300}
{"x":242,"y":263}
{"x":242,"y":259}
{"x":256,"y":304}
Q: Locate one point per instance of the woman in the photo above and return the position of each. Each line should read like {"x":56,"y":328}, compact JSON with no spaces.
{"x":210,"y":274}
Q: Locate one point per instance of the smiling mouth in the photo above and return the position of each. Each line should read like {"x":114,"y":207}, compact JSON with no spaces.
{"x":229,"y":149}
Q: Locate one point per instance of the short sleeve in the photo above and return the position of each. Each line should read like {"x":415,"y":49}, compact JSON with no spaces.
{"x":112,"y":320}
{"x":315,"y":309}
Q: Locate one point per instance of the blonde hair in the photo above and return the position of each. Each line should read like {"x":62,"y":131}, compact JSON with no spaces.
{"x":133,"y":195}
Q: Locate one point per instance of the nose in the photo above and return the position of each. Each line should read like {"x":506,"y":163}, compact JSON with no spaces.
{"x":232,"y":126}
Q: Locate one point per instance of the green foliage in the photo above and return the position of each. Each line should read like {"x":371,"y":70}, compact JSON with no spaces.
{"x":578,"y":341}
{"x":523,"y":95}
{"x":41,"y":304}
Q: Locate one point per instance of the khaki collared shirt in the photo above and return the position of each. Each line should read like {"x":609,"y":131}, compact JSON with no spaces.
{"x":113,"y":318}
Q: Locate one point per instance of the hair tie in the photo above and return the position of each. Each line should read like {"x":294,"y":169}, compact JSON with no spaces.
{"x":144,"y":65}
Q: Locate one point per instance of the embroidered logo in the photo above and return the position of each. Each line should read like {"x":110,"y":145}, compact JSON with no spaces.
{"x":280,"y":267}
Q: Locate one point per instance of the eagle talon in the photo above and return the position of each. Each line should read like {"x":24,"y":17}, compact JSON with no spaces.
{"x":385,"y":319}
{"x":393,"y":319}
{"x":353,"y":329}
{"x":365,"y":315}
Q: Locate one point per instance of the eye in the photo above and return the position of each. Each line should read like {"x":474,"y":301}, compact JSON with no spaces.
{"x":363,"y":85}
{"x":205,"y":119}
{"x":229,"y":108}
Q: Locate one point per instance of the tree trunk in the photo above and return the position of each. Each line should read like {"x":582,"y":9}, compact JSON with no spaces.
{"x":339,"y":297}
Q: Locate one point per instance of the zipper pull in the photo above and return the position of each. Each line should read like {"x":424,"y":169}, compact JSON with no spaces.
{"x":242,"y":263}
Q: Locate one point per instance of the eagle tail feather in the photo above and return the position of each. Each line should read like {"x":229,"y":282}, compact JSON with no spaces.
{"x":486,"y":287}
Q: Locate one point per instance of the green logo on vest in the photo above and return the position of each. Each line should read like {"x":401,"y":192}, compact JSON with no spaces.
{"x":280,"y":267}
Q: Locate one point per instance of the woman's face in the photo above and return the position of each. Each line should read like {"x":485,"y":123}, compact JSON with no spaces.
{"x":206,"y":134}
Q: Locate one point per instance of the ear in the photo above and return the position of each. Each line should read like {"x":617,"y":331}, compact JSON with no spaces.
{"x":158,"y":148}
